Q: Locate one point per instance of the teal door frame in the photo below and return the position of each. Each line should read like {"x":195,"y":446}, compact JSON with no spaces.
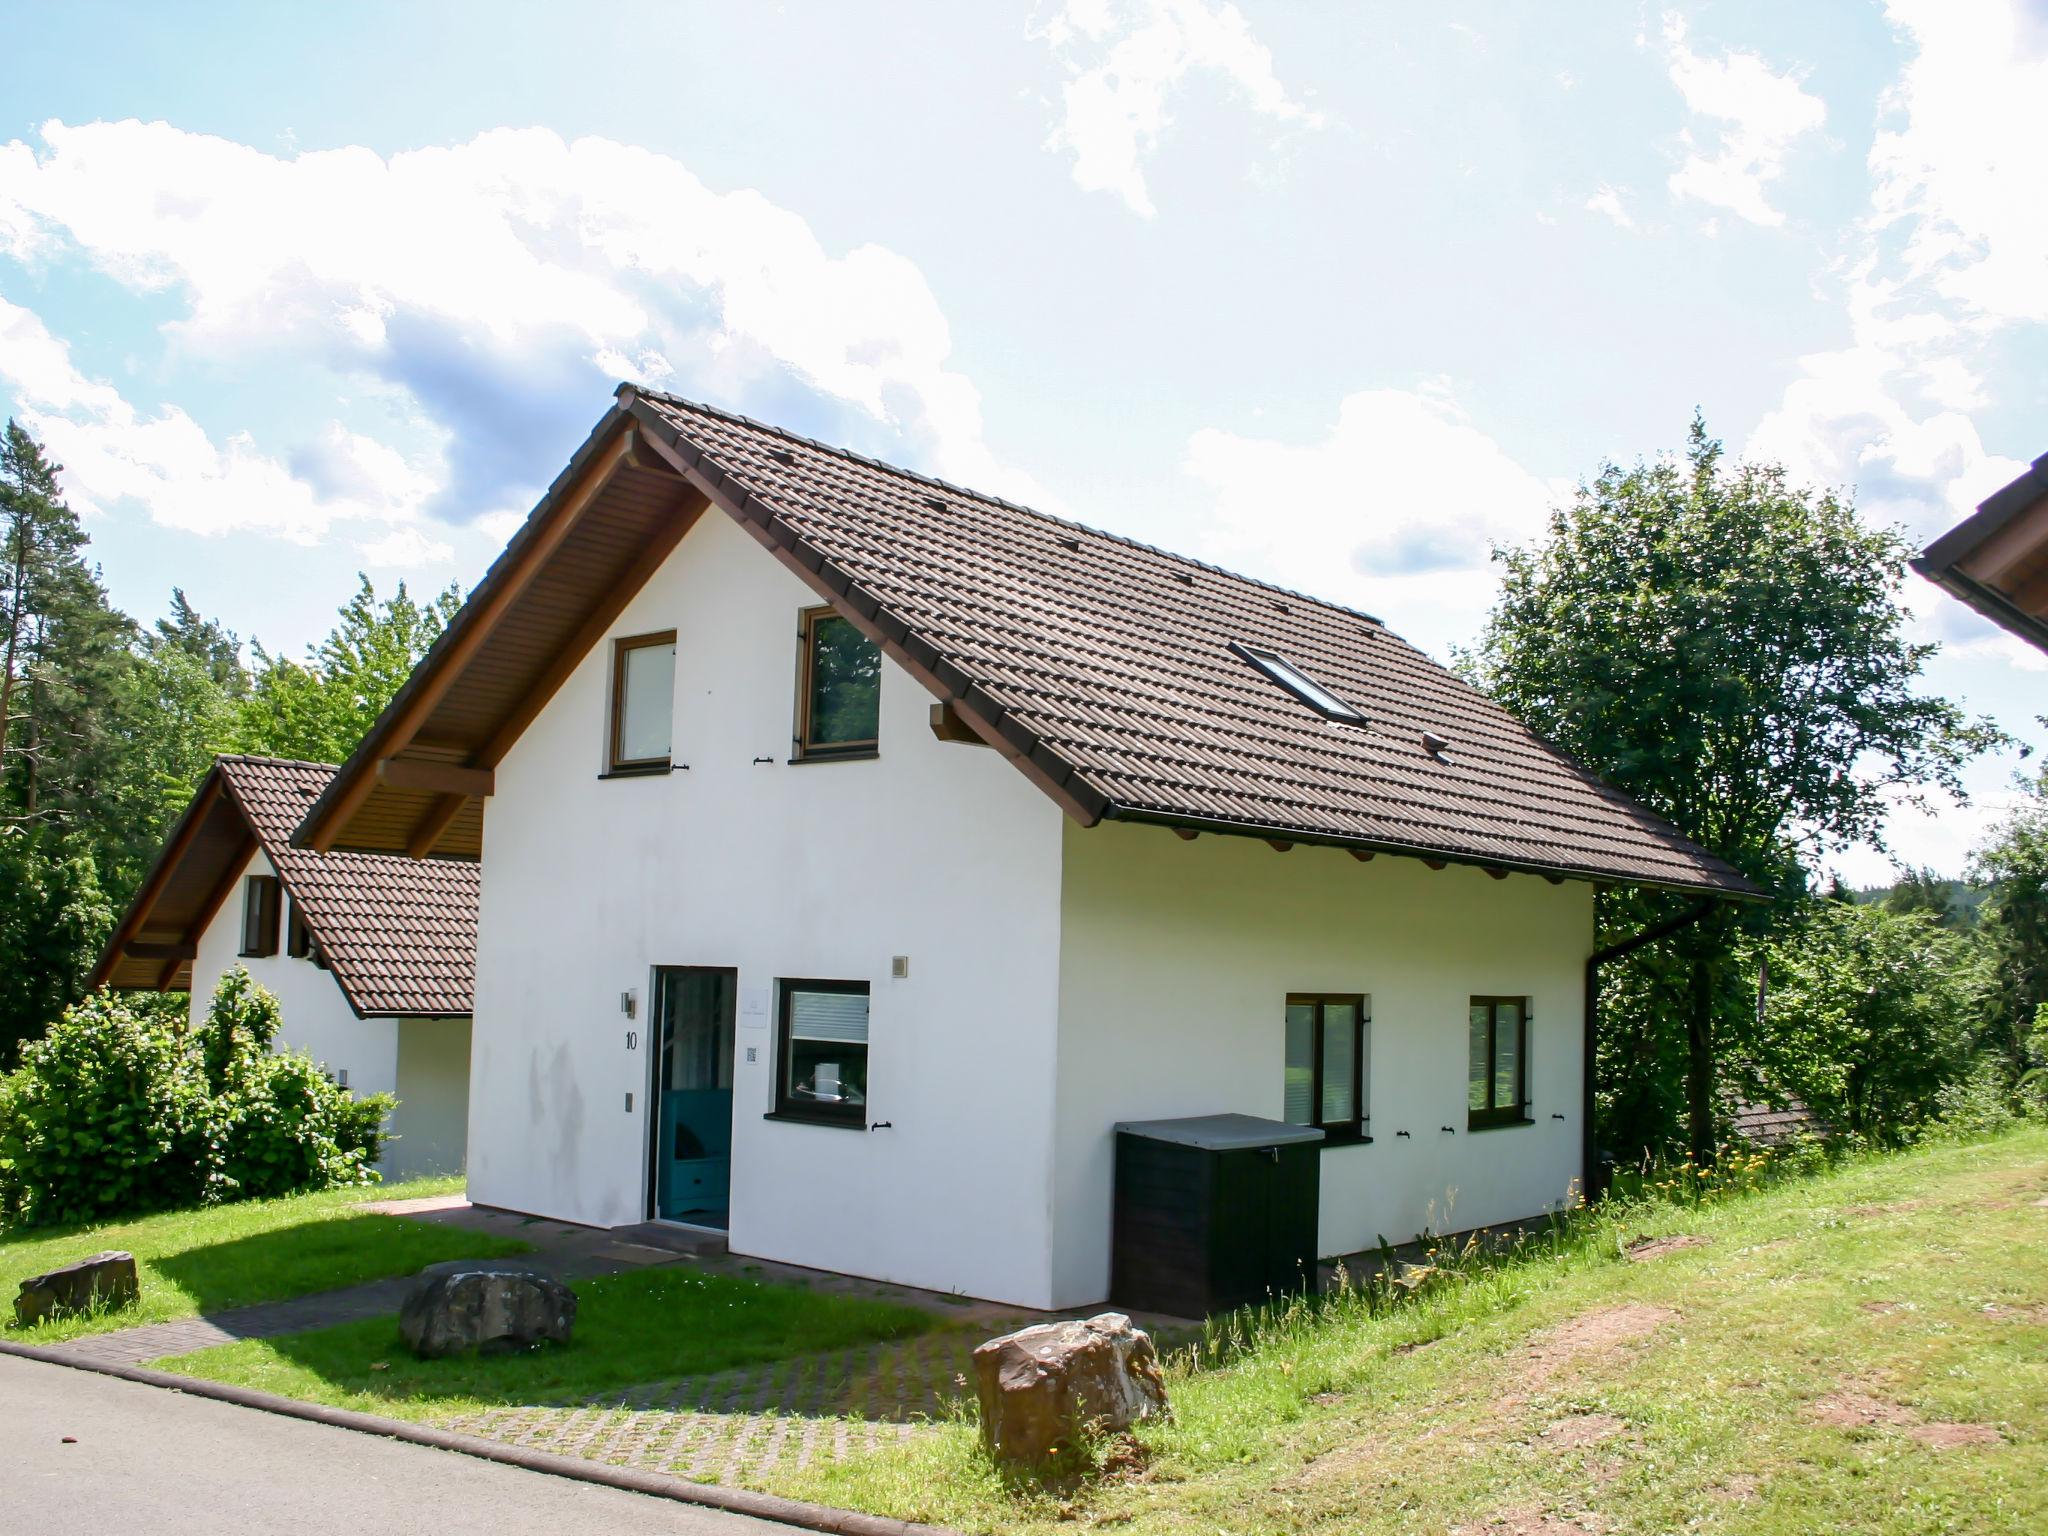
{"x":690,"y":1128}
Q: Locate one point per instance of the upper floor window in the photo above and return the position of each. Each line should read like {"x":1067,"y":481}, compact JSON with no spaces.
{"x":643,"y":702}
{"x":839,"y":688}
{"x":298,"y":934}
{"x":1327,"y":1064}
{"x":261,"y":899}
{"x":1498,"y":1077}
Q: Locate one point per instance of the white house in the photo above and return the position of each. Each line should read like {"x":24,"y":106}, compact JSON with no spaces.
{"x":1084,"y":833}
{"x":371,"y":957}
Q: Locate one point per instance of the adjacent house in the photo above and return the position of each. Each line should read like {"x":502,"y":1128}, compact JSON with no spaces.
{"x":863,"y":850}
{"x":1996,"y":559}
{"x":371,"y":957}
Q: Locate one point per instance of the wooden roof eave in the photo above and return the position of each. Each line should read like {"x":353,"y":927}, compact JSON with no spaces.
{"x":159,"y":876}
{"x":553,"y":517}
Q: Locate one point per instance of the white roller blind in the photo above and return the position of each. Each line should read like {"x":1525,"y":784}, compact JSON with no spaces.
{"x":646,"y":702}
{"x":837,"y":1016}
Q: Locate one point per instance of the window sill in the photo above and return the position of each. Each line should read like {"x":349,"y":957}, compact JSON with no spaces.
{"x":829,"y":1122}
{"x":653,"y":771}
{"x":863,"y":755}
{"x":1347,"y":1139}
{"x":1498,"y":1125}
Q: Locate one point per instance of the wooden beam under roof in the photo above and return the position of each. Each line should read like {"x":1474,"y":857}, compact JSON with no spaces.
{"x":430,"y":682}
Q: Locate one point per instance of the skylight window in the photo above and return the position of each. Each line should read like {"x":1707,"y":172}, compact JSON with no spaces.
{"x":1300,"y":684}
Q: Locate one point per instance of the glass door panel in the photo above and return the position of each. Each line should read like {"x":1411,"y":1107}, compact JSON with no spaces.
{"x":693,"y":1129}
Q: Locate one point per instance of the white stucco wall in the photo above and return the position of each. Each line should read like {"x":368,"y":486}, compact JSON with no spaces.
{"x":937,"y":851}
{"x":430,"y":1118}
{"x":1176,"y":959}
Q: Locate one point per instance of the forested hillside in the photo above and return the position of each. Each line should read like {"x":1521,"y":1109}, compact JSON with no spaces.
{"x":111,"y":723}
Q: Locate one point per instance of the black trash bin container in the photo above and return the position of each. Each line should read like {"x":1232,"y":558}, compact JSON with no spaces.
{"x":1213,"y":1212}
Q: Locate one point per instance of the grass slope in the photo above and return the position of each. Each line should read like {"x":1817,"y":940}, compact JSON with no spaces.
{"x":1862,"y":1351}
{"x":645,"y":1325}
{"x":226,"y":1256}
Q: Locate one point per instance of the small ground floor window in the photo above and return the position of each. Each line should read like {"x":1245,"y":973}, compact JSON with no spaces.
{"x":1327,"y":1061}
{"x":823,"y":1073}
{"x":1498,"y":1082}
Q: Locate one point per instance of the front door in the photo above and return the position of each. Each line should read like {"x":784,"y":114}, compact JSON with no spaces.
{"x":693,"y":1023}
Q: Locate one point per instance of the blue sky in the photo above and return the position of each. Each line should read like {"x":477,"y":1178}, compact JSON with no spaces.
{"x":1335,"y":294}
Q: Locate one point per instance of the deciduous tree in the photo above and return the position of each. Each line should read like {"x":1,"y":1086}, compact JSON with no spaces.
{"x":1729,"y":649}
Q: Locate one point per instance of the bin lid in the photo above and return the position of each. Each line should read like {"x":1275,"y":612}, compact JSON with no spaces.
{"x":1221,"y":1133}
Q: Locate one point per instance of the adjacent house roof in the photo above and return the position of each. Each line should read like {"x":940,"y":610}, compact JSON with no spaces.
{"x":399,"y":935}
{"x":1996,"y":559}
{"x":1114,"y":675}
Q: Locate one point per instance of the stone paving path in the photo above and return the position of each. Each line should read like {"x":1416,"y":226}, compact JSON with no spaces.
{"x":560,"y":1249}
{"x":738,"y":1426}
{"x":153,"y":1341}
{"x":744,"y":1426}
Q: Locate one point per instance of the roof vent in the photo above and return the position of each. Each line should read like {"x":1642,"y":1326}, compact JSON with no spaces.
{"x":938,"y":503}
{"x":1280,"y":606}
{"x":1185,"y":578}
{"x":1300,"y":684}
{"x":1434,"y":744}
{"x":1070,"y":543}
{"x":782,"y":456}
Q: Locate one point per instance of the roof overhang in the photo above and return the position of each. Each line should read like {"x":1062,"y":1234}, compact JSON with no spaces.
{"x":604,"y":527}
{"x":416,"y":784}
{"x":154,"y":944}
{"x":1996,"y":560}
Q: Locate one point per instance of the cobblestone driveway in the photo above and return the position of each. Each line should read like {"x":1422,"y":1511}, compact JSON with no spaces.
{"x":743,"y":1426}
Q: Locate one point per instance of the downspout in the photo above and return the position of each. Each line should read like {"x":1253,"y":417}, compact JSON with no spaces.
{"x":1589,"y":1152}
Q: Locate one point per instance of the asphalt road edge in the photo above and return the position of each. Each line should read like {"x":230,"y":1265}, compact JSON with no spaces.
{"x":738,"y":1501}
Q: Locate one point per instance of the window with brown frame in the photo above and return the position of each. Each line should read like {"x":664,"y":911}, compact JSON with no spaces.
{"x":1328,"y":1064}
{"x":643,"y":703}
{"x":1498,"y":1076}
{"x":298,"y":937}
{"x":822,"y":1052}
{"x":838,"y":688}
{"x":260,"y":901}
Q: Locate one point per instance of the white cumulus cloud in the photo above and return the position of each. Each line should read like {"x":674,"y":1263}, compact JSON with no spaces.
{"x":494,"y":290}
{"x":168,"y":463}
{"x":1395,"y":509}
{"x":1125,"y":64}
{"x":1757,"y":115}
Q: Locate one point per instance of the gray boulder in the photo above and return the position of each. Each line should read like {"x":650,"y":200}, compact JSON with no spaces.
{"x":1043,"y":1387}
{"x":101,"y":1283}
{"x":475,"y":1304}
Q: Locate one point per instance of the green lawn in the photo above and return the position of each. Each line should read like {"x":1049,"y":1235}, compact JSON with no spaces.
{"x":645,"y":1325}
{"x":1862,"y":1351}
{"x":233,"y":1255}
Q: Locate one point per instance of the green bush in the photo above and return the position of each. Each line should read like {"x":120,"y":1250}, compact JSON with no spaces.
{"x":120,"y":1110}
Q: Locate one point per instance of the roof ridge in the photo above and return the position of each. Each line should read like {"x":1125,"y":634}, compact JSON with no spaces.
{"x":838,"y":452}
{"x":273,"y":762}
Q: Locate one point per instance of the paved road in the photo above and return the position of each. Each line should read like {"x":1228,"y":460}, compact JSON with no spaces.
{"x":147,"y":1459}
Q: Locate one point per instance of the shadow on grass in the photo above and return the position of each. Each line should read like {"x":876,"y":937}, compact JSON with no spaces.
{"x":313,"y":1256}
{"x":656,"y":1338}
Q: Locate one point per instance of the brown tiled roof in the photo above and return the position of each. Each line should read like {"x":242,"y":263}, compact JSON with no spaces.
{"x":399,"y":934}
{"x":1107,"y":664}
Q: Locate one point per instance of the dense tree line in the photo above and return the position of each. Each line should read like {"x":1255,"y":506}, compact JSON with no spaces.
{"x":107,"y":727}
{"x":1730,"y":649}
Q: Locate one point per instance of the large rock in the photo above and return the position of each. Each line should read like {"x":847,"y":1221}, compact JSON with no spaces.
{"x":1044,"y":1386}
{"x":468,"y":1304}
{"x":103,"y":1282}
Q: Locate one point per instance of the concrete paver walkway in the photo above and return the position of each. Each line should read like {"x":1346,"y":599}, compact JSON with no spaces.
{"x":142,"y":1459}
